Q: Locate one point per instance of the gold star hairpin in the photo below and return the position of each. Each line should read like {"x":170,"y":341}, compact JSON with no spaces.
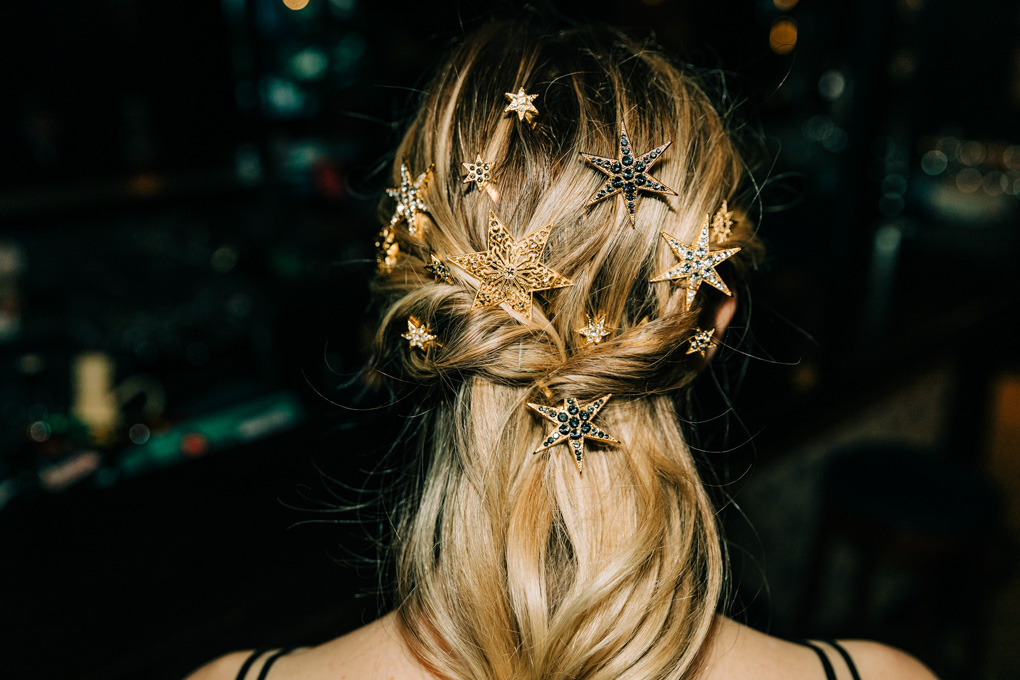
{"x":594,"y":331}
{"x":697,"y":263}
{"x":701,"y":341}
{"x":418,"y":335}
{"x":438,"y":270}
{"x":387,"y":250}
{"x":510,"y":271}
{"x":722,"y":223}
{"x":478,"y":172}
{"x":574,"y":423}
{"x":521,"y":104}
{"x":409,"y":198}
{"x":628,"y":174}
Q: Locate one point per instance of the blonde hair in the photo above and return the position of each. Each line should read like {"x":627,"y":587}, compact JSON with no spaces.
{"x":510,"y":564}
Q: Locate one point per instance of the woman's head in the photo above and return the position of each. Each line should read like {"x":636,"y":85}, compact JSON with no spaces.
{"x":510,"y":563}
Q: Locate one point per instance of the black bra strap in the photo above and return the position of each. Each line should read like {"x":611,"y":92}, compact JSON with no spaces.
{"x":271,"y":660}
{"x":248,"y":662}
{"x":846,"y":657}
{"x":830,"y":674}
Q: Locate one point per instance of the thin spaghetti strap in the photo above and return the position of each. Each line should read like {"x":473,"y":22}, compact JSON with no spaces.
{"x":272,"y":659}
{"x":830,"y":673}
{"x":846,"y":657}
{"x":246,"y":666}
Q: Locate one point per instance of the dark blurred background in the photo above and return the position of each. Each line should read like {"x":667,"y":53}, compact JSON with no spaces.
{"x":188,"y":194}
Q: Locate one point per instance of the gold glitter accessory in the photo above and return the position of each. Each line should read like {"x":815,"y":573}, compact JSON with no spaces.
{"x":594,"y":331}
{"x":439,"y":270}
{"x":478,"y":172}
{"x":628,"y":174}
{"x":510,"y":271}
{"x":387,"y":250}
{"x":521,"y":104}
{"x":409,"y":198}
{"x":574,"y":423}
{"x":418,"y":335}
{"x":701,"y":341}
{"x":722,"y":223}
{"x":697,"y":263}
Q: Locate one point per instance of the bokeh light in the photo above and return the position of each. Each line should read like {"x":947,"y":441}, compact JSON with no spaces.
{"x":783,"y":35}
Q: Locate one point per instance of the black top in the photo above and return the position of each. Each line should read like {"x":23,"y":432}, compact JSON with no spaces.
{"x":830,"y":673}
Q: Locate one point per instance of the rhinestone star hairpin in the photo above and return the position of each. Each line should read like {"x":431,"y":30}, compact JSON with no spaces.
{"x":418,"y":335}
{"x":521,"y":104}
{"x":387,"y":250}
{"x":510,"y":271}
{"x":409,"y":198}
{"x":438,"y":270}
{"x":722,"y":223}
{"x":697,"y":263}
{"x":628,"y":174}
{"x":574,"y":423}
{"x":701,"y":341}
{"x":594,"y":331}
{"x":478,"y":172}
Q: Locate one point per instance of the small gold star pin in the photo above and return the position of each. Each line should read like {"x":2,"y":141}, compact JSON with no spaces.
{"x":521,"y":104}
{"x":594,"y":331}
{"x":479,"y":172}
{"x":701,"y":341}
{"x":722,"y":223}
{"x":387,"y":250}
{"x":628,"y":174}
{"x":439,"y":270}
{"x":409,"y":198}
{"x":510,"y":271}
{"x":574,"y":423}
{"x":697,"y":263}
{"x":418,"y":335}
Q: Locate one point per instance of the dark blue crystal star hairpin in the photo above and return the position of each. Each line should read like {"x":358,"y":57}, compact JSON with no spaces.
{"x":628,"y":174}
{"x":573,"y":424}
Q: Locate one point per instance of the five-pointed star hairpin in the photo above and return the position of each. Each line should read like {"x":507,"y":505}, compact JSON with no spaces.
{"x":478,"y":172}
{"x":701,"y":341}
{"x":722,"y":223}
{"x":418,"y":335}
{"x":409,"y":198}
{"x":573,"y":424}
{"x":521,"y":103}
{"x":594,"y":331}
{"x":510,"y":271}
{"x":628,"y":174}
{"x":697,"y":264}
{"x":439,"y":270}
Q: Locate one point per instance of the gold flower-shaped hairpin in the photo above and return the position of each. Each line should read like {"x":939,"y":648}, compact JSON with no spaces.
{"x":573,"y":424}
{"x":509,"y":271}
{"x":697,"y":263}
{"x":628,"y":174}
{"x":722,"y":224}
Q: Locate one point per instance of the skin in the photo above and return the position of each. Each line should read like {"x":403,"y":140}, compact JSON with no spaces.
{"x":735,"y":652}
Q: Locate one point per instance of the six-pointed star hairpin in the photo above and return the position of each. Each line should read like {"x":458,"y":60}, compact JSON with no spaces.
{"x":409,"y":198}
{"x":628,"y":174}
{"x":573,"y":425}
{"x":521,"y":104}
{"x":697,"y":263}
{"x":509,"y":271}
{"x":701,"y":341}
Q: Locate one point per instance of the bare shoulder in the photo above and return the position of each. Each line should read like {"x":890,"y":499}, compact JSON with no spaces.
{"x":738,"y":652}
{"x":372,"y":651}
{"x":876,"y":661}
{"x":225,"y":667}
